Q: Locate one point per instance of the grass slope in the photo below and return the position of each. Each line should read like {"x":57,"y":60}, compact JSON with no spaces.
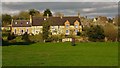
{"x":62,"y":54}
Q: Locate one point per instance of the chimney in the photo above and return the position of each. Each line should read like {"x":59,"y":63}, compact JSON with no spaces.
{"x":78,"y":15}
{"x":12,"y":21}
{"x":61,"y":15}
{"x":11,"y":24}
{"x":47,"y":15}
{"x":30,"y":18}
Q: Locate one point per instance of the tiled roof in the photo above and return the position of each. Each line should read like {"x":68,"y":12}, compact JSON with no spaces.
{"x":21,"y":23}
{"x":37,"y":21}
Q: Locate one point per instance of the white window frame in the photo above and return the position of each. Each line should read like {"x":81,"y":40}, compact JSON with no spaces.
{"x":67,"y":25}
{"x":15,"y":22}
{"x":27,"y":22}
{"x":76,"y":31}
{"x":67,"y":30}
{"x":76,"y":26}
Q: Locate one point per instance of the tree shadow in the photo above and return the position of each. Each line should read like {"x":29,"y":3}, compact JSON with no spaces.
{"x":6,"y":43}
{"x":21,"y":43}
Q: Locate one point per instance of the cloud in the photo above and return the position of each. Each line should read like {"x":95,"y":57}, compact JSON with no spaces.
{"x":87,"y":10}
{"x":111,"y":6}
{"x":67,"y":8}
{"x":60,"y":1}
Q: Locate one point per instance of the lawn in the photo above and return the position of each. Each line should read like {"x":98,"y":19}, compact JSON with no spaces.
{"x":61,"y":54}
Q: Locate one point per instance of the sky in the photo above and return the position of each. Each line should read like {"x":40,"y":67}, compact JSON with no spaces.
{"x":68,"y":8}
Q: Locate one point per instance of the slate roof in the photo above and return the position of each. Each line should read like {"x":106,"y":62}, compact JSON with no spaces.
{"x":21,"y":23}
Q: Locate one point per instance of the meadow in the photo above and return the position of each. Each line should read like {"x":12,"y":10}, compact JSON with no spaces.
{"x":61,"y":54}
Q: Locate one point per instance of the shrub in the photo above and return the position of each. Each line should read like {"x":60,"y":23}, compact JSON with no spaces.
{"x":36,"y":38}
{"x":95,"y":33}
{"x":12,"y":41}
{"x":5,"y":33}
{"x":18,"y":39}
{"x":50,"y":39}
{"x":56,"y":38}
{"x":11,"y":36}
{"x":25,"y":37}
{"x":111,"y":32}
{"x":4,"y":43}
{"x":78,"y":33}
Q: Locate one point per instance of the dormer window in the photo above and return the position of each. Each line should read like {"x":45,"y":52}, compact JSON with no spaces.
{"x":15,"y":22}
{"x":27,"y":22}
{"x":44,"y":18}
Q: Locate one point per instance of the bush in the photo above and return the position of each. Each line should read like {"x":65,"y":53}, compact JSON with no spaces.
{"x":78,"y":33}
{"x":111,"y":32}
{"x":50,"y":39}
{"x":5,"y":33}
{"x":36,"y":38}
{"x":95,"y":33}
{"x":4,"y":43}
{"x":25,"y":37}
{"x":18,"y":39}
{"x":12,"y":41}
{"x":56,"y":38}
{"x":11,"y":36}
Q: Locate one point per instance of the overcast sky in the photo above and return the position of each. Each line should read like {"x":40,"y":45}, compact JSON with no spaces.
{"x":90,"y":9}
{"x":60,"y":0}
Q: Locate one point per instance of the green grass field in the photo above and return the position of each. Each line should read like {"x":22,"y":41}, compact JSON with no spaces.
{"x":61,"y":54}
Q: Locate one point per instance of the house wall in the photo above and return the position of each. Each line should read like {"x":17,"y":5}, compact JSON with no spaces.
{"x":5,"y":28}
{"x":54,"y":29}
{"x":67,"y":27}
{"x":72,"y":28}
{"x":36,"y":29}
{"x":18,"y":30}
{"x":57,"y":30}
{"x":79,"y":28}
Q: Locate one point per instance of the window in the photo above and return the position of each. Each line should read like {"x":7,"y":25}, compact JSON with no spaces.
{"x":67,"y":25}
{"x":27,"y":30}
{"x":76,"y":31}
{"x":15,"y":22}
{"x":52,"y":27}
{"x":21,"y":23}
{"x":76,"y":26}
{"x":44,"y":18}
{"x":15,"y":31}
{"x":21,"y":31}
{"x":67,"y":31}
{"x":27,"y":22}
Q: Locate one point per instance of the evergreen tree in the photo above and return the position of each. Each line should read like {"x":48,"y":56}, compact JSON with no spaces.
{"x":46,"y":30}
{"x":47,"y":11}
{"x":6,"y":19}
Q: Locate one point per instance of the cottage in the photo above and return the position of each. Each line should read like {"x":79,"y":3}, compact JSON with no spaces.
{"x":60,"y":25}
{"x":21,"y":26}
